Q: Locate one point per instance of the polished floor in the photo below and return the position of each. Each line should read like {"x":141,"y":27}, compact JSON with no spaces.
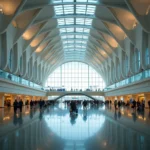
{"x":97,"y":128}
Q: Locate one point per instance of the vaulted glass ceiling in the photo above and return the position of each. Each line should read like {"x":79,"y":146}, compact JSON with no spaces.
{"x":74,"y":19}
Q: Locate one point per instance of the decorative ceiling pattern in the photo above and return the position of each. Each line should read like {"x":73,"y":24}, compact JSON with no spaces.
{"x":45,"y":34}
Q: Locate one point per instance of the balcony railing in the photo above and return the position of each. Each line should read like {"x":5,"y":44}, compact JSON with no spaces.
{"x":140,"y":76}
{"x":17,"y":79}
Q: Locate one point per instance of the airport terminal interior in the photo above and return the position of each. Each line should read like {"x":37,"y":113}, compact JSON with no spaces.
{"x":74,"y":74}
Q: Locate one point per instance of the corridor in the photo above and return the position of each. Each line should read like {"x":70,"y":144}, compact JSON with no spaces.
{"x":54,"y":128}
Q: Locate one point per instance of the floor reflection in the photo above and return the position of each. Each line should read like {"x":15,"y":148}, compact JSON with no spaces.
{"x":56,"y":129}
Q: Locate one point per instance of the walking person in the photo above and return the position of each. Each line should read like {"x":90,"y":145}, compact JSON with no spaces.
{"x":84,"y":104}
{"x":20,"y":105}
{"x":15,"y":104}
{"x":115,"y":103}
{"x":119,"y":104}
{"x":40,"y":104}
{"x":31,"y":104}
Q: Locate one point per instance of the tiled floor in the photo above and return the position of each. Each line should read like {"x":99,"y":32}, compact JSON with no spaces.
{"x":92,"y":129}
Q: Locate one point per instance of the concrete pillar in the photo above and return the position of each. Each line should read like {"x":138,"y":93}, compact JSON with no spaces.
{"x":2,"y":101}
{"x":147,"y":98}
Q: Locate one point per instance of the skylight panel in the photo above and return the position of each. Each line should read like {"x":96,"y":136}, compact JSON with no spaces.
{"x":88,"y":21}
{"x":64,"y":37}
{"x":80,"y":9}
{"x":67,"y":1}
{"x":68,"y":9}
{"x":81,"y":1}
{"x":70,"y":29}
{"x":78,"y":42}
{"x":70,"y":36}
{"x":86,"y":30}
{"x":67,"y":36}
{"x":85,"y":37}
{"x":57,"y":1}
{"x":69,"y":21}
{"x":83,"y":42}
{"x":64,"y":42}
{"x":63,"y":30}
{"x":74,"y":38}
{"x":71,"y":49}
{"x":58,"y":9}
{"x":78,"y":36}
{"x":79,"y":20}
{"x":92,"y":1}
{"x":90,"y":10}
{"x":61,"y":21}
{"x":79,"y":29}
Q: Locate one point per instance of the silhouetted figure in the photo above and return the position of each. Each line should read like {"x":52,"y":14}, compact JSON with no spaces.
{"x":40,"y":104}
{"x":110,"y":102}
{"x":15,"y":106}
{"x":31,"y":104}
{"x":149,"y":104}
{"x":73,"y":107}
{"x":134,"y":104}
{"x":119,"y":104}
{"x":20,"y":105}
{"x":115,"y":103}
{"x":84,"y":104}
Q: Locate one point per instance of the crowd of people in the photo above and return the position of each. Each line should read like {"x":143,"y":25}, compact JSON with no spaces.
{"x":18,"y":104}
{"x":139,"y":105}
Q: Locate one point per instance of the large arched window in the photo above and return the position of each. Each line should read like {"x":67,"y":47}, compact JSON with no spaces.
{"x":75,"y":76}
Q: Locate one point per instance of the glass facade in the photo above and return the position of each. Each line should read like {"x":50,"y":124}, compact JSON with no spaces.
{"x":75,"y":76}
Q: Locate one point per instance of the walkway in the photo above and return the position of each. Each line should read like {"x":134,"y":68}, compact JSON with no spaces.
{"x":54,"y":129}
